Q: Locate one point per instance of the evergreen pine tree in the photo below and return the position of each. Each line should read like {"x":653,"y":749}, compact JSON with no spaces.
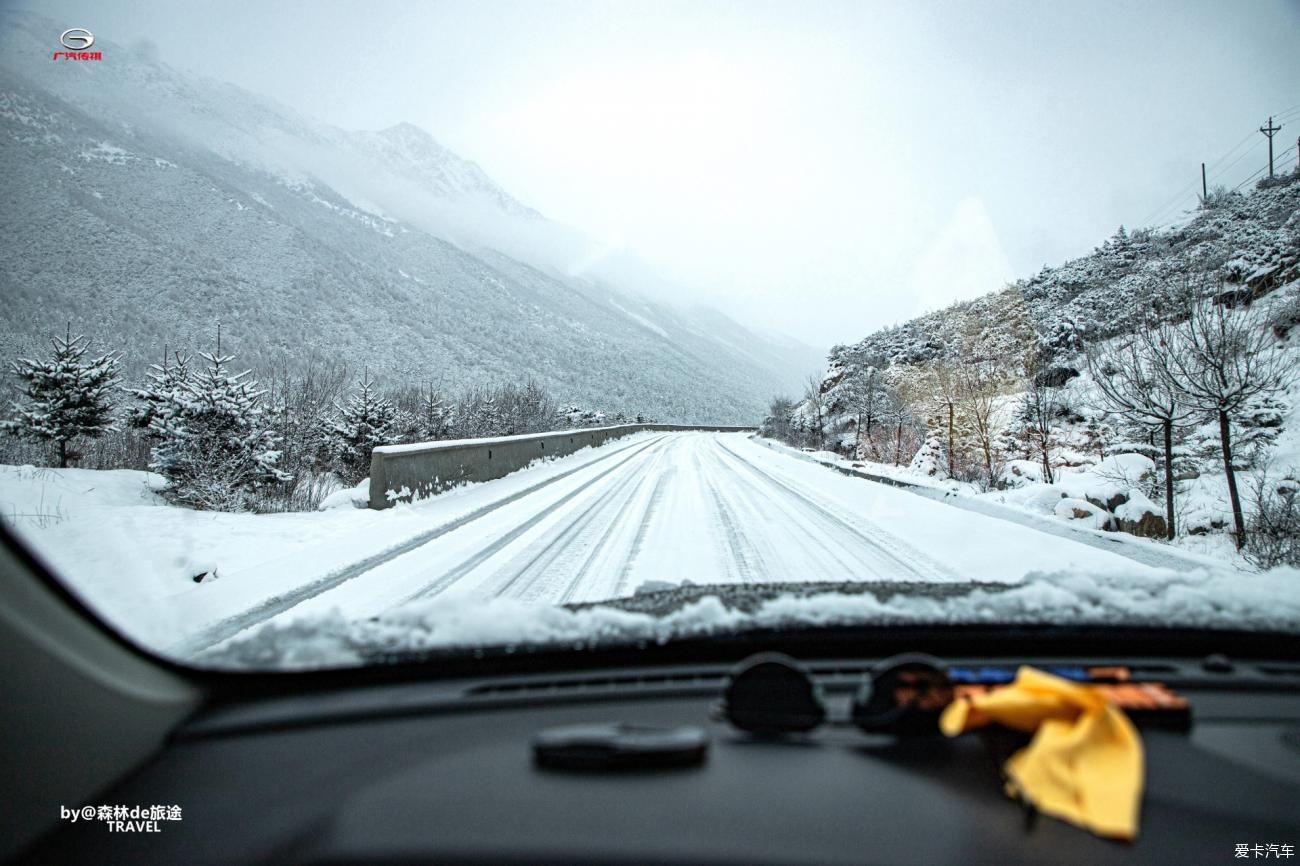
{"x":165,"y":385}
{"x":68,"y":396}
{"x":216,"y":447}
{"x":435,"y":416}
{"x":367,"y":421}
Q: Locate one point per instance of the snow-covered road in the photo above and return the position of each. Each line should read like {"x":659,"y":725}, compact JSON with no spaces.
{"x":700,"y":507}
{"x":649,"y":510}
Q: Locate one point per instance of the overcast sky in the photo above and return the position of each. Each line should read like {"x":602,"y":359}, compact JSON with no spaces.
{"x":818,"y":168}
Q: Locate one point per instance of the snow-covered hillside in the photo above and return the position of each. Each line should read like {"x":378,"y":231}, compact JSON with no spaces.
{"x":147,"y":204}
{"x":1250,"y":239}
{"x":996,"y":397}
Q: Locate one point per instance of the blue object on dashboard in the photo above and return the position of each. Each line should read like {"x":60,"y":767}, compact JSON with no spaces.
{"x":984,"y":676}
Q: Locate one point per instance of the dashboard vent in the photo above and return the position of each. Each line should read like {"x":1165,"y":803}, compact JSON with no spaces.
{"x":559,"y":685}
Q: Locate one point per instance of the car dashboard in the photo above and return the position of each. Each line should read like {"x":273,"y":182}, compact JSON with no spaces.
{"x":443,"y":772}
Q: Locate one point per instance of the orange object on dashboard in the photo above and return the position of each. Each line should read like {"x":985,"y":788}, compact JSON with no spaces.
{"x":1146,"y":704}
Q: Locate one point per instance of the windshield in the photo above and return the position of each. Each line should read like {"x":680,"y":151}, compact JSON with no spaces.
{"x":336,"y":333}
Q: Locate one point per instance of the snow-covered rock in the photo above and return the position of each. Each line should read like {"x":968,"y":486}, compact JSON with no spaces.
{"x":1085,"y":512}
{"x":348,"y":497}
{"x":1140,"y":516}
{"x":1018,"y":473}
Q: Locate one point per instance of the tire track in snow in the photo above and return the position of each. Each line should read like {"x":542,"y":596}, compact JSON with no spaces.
{"x":643,"y":528}
{"x":466,"y":566}
{"x":909,"y":559}
{"x":602,"y":544}
{"x":230,"y":626}
{"x":746,"y":564}
{"x":556,"y":554}
{"x":827,"y":552}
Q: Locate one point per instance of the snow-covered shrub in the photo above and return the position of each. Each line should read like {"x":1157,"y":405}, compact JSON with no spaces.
{"x":1286,"y":317}
{"x":215,"y":448}
{"x":932,"y":459}
{"x":777,"y":424}
{"x":1126,"y":471}
{"x":304,"y":492}
{"x":68,"y":396}
{"x":1220,"y":196}
{"x":1274,"y":529}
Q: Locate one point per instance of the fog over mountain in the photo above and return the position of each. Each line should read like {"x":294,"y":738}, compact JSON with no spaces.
{"x":168,"y":203}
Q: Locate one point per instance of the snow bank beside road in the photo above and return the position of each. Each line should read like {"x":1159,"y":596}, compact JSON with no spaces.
{"x":132,"y":557}
{"x":1031,"y":506}
{"x":1204,"y":598}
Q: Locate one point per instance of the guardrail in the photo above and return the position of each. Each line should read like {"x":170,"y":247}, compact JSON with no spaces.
{"x":399,"y":473}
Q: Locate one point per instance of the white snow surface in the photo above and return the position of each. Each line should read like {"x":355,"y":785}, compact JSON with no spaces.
{"x":489,"y":562}
{"x":1203,"y":598}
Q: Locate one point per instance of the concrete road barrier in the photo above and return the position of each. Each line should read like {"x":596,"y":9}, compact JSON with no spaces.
{"x":399,"y":473}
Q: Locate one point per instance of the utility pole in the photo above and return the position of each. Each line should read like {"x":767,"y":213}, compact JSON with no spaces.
{"x":1205,"y":192}
{"x":1269,"y":130}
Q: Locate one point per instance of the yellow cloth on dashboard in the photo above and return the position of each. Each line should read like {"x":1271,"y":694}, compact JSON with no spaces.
{"x":1084,"y":764}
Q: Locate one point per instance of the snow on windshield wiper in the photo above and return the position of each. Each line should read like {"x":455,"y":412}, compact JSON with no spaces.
{"x":1201,"y":599}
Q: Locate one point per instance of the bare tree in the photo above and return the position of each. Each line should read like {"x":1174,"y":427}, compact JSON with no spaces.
{"x":863,"y":394}
{"x":1218,"y":360}
{"x":1038,"y":408}
{"x":978,"y":387}
{"x":816,"y":403}
{"x":1132,"y":382}
{"x":945,"y":381}
{"x":905,"y":409}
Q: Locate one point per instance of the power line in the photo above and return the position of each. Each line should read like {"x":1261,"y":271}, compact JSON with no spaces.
{"x":1258,"y":172}
{"x":1284,"y":160}
{"x":1217,"y":169}
{"x":1295,"y":109}
{"x":1214,"y":166}
{"x":1186,"y":191}
{"x":1176,"y":200}
{"x":1240,"y":156}
{"x":1249,"y":137}
{"x":1283,"y":163}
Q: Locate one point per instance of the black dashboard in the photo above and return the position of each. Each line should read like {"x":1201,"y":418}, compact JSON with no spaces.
{"x":443,"y":772}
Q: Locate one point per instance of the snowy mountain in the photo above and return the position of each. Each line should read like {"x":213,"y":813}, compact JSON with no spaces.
{"x":146,"y":205}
